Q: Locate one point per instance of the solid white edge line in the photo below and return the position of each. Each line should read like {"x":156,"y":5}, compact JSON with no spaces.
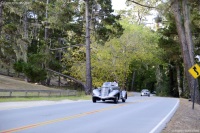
{"x":165,"y":120}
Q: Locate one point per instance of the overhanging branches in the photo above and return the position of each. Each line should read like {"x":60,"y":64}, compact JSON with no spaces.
{"x":141,"y":4}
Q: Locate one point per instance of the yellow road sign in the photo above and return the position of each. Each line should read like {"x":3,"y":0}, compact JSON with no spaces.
{"x":195,"y":71}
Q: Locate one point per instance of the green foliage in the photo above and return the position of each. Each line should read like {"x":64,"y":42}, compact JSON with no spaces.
{"x":55,"y":65}
{"x":10,"y":28}
{"x":35,"y":46}
{"x":19,"y":65}
{"x":127,"y":47}
{"x":145,"y":77}
{"x":163,"y":81}
{"x":136,"y":49}
{"x":35,"y":74}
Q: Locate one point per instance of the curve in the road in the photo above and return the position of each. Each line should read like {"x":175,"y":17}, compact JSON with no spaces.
{"x":165,"y":120}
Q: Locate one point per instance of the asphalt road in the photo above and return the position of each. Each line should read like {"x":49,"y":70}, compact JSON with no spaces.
{"x":137,"y":115}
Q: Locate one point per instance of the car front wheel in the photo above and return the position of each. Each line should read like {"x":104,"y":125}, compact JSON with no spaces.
{"x":116,"y":99}
{"x":94,"y":100}
{"x":123,"y":100}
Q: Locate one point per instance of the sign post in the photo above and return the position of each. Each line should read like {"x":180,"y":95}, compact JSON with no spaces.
{"x":195,"y":72}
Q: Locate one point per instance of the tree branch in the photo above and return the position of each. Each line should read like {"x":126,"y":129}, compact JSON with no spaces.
{"x":77,"y":45}
{"x":78,"y":81}
{"x":140,"y":4}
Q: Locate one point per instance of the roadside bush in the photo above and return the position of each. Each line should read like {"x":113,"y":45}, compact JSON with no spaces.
{"x":55,"y":65}
{"x":18,"y":66}
{"x":35,"y":74}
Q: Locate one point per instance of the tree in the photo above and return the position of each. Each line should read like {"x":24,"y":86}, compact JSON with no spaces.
{"x":184,"y":34}
{"x":25,"y":30}
{"x":135,"y":50}
{"x":169,"y":42}
{"x":139,"y":10}
{"x":1,"y":15}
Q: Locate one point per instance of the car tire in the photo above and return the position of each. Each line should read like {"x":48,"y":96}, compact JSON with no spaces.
{"x":123,"y":100}
{"x":103,"y":100}
{"x":94,"y":100}
{"x":116,"y":100}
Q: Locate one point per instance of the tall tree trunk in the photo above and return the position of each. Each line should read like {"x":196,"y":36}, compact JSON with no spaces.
{"x":88,"y":59}
{"x":183,"y":42}
{"x":178,"y":76}
{"x":186,"y":14}
{"x":132,"y":82}
{"x":1,"y":15}
{"x":25,"y":25}
{"x":186,"y":90}
{"x":25,"y":36}
{"x":171,"y":79}
{"x":159,"y":79}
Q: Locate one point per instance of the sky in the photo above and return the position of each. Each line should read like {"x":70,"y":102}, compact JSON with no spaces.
{"x":118,"y":4}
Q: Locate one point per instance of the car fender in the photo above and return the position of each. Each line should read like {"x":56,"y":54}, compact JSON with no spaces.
{"x":113,"y":93}
{"x":124,"y":94}
{"x":96,"y":92}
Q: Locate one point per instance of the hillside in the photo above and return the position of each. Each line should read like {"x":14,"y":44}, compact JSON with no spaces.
{"x":16,"y":83}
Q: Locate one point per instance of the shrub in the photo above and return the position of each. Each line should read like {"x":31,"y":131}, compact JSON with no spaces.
{"x":18,"y":66}
{"x":35,"y":74}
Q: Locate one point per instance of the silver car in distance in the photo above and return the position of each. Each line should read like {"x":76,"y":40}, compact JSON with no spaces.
{"x":145,"y":92}
{"x":109,"y":91}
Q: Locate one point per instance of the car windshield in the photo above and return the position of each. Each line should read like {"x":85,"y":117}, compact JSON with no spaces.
{"x":106,"y":84}
{"x":105,"y":88}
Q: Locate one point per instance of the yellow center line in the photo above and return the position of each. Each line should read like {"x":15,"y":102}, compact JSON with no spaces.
{"x":68,"y":117}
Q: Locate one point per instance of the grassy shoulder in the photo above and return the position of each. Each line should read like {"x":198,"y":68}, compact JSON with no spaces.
{"x":80,"y":96}
{"x":18,"y":99}
{"x":7,"y":82}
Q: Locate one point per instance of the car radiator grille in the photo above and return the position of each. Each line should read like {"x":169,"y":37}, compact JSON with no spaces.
{"x":104,"y":91}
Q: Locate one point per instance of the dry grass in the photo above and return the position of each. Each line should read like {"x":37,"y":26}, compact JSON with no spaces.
{"x":18,"y":84}
{"x":185,"y":120}
{"x":12,"y":83}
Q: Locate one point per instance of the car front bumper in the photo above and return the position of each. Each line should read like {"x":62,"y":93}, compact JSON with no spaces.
{"x":145,"y":94}
{"x":104,"y":97}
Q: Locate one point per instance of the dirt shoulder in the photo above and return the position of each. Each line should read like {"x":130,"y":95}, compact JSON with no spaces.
{"x":27,"y":104}
{"x":16,"y":83}
{"x":185,"y":119}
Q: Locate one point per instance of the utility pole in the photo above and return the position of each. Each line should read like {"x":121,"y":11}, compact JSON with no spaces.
{"x":46,"y":15}
{"x":46,"y":24}
{"x":88,"y":59}
{"x":1,"y":15}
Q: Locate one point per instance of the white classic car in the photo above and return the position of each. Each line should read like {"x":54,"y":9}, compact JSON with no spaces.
{"x":109,"y":91}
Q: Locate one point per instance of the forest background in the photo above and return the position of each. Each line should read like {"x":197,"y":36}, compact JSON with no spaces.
{"x":42,"y":35}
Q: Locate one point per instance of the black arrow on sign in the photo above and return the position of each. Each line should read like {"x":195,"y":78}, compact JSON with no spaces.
{"x":195,"y":69}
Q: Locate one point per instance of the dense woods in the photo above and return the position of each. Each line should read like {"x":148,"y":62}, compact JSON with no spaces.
{"x":41,"y":35}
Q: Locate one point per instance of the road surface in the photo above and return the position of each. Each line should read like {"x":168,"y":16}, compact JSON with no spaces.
{"x":137,"y":115}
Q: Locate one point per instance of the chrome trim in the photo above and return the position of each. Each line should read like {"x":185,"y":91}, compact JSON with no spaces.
{"x":104,"y":91}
